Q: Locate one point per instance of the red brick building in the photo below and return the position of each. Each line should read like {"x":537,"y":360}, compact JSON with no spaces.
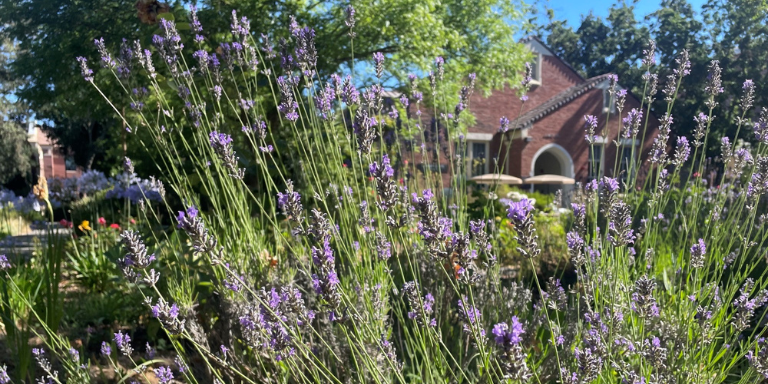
{"x":53,"y":161}
{"x":547,"y":132}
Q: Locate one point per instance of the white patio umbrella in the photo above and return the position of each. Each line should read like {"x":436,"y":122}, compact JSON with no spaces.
{"x":549,"y":179}
{"x":495,"y":178}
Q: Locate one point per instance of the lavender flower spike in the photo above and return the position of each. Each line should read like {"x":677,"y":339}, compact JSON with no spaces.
{"x":222,"y":146}
{"x":520,"y":213}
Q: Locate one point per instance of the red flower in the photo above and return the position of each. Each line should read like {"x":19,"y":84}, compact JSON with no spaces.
{"x":102,"y":221}
{"x":696,"y":174}
{"x":132,"y":221}
{"x":114,"y":226}
{"x":66,"y":224}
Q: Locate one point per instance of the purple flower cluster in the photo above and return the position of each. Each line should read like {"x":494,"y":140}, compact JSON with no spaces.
{"x":746,"y":306}
{"x":471,"y":317}
{"x":508,"y":338}
{"x":168,"y":315}
{"x":123,"y":343}
{"x":632,"y":123}
{"x":521,"y":215}
{"x":192,"y":223}
{"x":659,"y":148}
{"x":682,"y":152}
{"x":421,"y":308}
{"x":288,"y":104}
{"x":290,"y":203}
{"x":222,"y":146}
{"x":702,"y":122}
{"x":433,"y":228}
{"x":698,"y":253}
{"x":643,"y":301}
{"x":383,"y":175}
{"x":591,"y":125}
{"x":325,"y":281}
{"x":269,"y":324}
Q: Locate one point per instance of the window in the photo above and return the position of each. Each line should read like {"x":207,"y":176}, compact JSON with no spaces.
{"x":536,"y":69}
{"x":595,"y":161}
{"x":608,"y":102}
{"x":477,"y":158}
{"x":69,"y":163}
{"x":47,"y":151}
{"x":626,"y":170}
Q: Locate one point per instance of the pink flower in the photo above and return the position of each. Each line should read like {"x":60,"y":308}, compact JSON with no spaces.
{"x":102,"y":221}
{"x":66,"y":224}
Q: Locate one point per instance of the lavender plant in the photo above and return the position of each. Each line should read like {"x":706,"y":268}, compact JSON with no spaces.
{"x":375,"y":274}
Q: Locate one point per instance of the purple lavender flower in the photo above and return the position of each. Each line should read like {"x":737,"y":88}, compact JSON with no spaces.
{"x":4,"y":378}
{"x":714,"y":85}
{"x":383,"y":247}
{"x":508,"y":334}
{"x":349,"y":21}
{"x":643,"y":301}
{"x":123,"y":342}
{"x":683,"y":151}
{"x":748,"y":98}
{"x":520,"y":213}
{"x":288,"y":104}
{"x":761,"y":126}
{"x":106,"y":350}
{"x":421,"y":308}
{"x":106,"y":59}
{"x":759,"y":361}
{"x":701,"y":129}
{"x":168,"y":315}
{"x":84,"y":70}
{"x":470,"y":316}
{"x":378,"y":60}
{"x":519,"y":210}
{"x":591,"y":126}
{"x":306,"y":53}
{"x":164,"y":375}
{"x":698,"y":252}
{"x":649,"y":54}
{"x":4,"y":264}
{"x":222,"y":146}
{"x":290,"y":203}
{"x":504,"y":124}
{"x":632,"y":123}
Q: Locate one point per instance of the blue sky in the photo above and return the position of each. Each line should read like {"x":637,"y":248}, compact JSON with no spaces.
{"x":572,"y":10}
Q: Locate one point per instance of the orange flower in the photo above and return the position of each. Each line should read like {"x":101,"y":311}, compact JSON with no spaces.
{"x":84,"y":226}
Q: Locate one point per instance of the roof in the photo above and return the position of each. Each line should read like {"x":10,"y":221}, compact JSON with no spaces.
{"x":531,"y":38}
{"x":559,"y":100}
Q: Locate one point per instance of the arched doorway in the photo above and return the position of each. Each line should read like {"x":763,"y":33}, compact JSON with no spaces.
{"x":551,"y":159}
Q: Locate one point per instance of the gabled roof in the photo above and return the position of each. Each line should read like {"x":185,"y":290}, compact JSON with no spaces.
{"x":559,"y":100}
{"x":532,"y":38}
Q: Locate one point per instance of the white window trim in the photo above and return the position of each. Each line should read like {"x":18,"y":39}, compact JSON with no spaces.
{"x":601,"y":167}
{"x":470,"y":156}
{"x":612,"y":102}
{"x":536,"y":77}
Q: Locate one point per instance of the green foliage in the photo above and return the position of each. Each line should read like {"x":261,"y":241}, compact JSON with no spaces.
{"x":472,"y":37}
{"x":733,"y":32}
{"x":93,"y":260}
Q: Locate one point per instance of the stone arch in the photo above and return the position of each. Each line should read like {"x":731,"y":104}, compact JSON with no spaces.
{"x":554,"y":160}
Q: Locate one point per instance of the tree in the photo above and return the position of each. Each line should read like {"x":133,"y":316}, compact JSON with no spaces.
{"x":15,"y":151}
{"x":734,"y":33}
{"x":474,"y":36}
